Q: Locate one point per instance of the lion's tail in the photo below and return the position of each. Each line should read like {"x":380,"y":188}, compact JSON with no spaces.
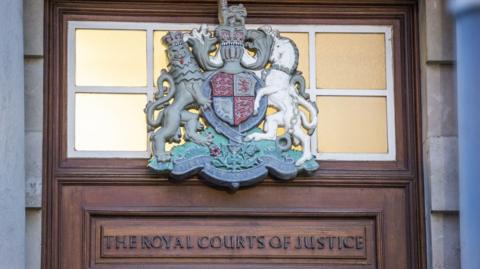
{"x":151,"y":120}
{"x":160,"y":101}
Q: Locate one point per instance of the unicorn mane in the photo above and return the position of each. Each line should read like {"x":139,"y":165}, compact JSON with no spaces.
{"x":292,"y":66}
{"x":297,"y":54}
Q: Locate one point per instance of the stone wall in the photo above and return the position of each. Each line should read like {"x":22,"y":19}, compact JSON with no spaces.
{"x":33,"y":70}
{"x":12,"y":128}
{"x":437,"y":38}
{"x":439,"y":131}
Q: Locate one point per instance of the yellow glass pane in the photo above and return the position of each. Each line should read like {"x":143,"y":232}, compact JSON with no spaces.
{"x":111,"y":58}
{"x":110,"y":122}
{"x":301,"y":40}
{"x":352,"y":124}
{"x":160,"y":60}
{"x":350,"y":60}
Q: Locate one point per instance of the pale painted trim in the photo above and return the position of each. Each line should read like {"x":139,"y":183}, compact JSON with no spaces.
{"x":103,"y":89}
{"x":349,"y":92}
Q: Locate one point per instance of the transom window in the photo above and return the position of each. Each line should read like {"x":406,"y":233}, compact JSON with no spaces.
{"x":112,"y":71}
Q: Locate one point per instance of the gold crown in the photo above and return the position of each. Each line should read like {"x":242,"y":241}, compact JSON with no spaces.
{"x":173,"y":38}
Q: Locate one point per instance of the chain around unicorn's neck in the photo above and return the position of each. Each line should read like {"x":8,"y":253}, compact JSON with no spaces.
{"x":283,"y":68}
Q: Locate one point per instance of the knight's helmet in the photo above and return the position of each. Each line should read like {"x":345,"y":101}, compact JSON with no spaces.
{"x":231,"y":32}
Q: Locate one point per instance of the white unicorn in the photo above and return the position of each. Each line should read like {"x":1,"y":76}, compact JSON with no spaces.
{"x":285,"y":88}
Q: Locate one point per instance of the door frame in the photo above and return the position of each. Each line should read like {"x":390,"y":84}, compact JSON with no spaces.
{"x":405,"y":173}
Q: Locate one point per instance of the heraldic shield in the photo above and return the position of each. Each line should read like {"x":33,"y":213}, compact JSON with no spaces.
{"x":233,"y":98}
{"x":212,"y":106}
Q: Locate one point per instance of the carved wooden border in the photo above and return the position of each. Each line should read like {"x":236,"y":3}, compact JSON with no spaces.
{"x":91,"y":213}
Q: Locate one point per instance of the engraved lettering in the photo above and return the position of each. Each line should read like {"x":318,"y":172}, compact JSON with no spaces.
{"x":167,"y":240}
{"x":275,"y":242}
{"x":250,"y":240}
{"x":349,"y":242}
{"x":330,"y":242}
{"x":203,"y":242}
{"x":240,"y":241}
{"x":325,"y":243}
{"x":360,"y":243}
{"x":228,"y":242}
{"x":309,"y":241}
{"x":146,"y":242}
{"x":321,"y":242}
{"x":157,"y":242}
{"x":189,"y":243}
{"x":261,"y":242}
{"x":133,"y":241}
{"x":286,"y":242}
{"x":216,"y":242}
{"x":120,"y":241}
{"x":108,"y":240}
{"x":299,"y":243}
{"x":178,"y":243}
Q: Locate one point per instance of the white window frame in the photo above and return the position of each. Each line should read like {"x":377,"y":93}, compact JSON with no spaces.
{"x":312,"y":90}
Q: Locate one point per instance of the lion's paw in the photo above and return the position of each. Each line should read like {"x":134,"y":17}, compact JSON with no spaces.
{"x":163,"y":157}
{"x":202,"y":140}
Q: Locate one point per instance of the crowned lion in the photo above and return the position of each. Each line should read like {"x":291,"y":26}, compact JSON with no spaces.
{"x":185,"y":79}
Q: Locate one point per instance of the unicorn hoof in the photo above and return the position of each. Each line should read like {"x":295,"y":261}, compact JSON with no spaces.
{"x":303,"y":159}
{"x":250,"y":137}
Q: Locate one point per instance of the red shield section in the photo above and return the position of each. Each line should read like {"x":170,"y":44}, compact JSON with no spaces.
{"x":222,"y":85}
{"x":242,"y":108}
{"x":233,"y":97}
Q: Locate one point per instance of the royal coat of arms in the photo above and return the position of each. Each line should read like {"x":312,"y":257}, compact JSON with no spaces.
{"x":216,"y":102}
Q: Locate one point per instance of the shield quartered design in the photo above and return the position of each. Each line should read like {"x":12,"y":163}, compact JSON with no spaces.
{"x":233,"y":97}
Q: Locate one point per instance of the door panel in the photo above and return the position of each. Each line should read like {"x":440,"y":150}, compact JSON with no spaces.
{"x":124,"y":225}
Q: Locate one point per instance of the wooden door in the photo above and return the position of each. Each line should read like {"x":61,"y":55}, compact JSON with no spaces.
{"x":115,"y":213}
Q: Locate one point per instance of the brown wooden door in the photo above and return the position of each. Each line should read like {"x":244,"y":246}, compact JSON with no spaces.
{"x":114,"y":213}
